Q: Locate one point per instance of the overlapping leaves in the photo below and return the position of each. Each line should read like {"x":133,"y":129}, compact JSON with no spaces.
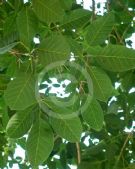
{"x":63,"y":28}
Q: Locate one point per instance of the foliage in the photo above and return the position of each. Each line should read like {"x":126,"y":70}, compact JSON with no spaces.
{"x":89,"y":51}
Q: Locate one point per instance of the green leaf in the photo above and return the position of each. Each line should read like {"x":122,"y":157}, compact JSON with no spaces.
{"x":27,"y":25}
{"x":99,"y":29}
{"x":3,"y":113}
{"x":66,"y":4}
{"x":102,"y":85}
{"x":3,"y":81}
{"x":10,"y":24}
{"x":131,"y":166}
{"x":20,"y":123}
{"x":88,"y":165}
{"x":8,"y":42}
{"x":48,"y":11}
{"x":93,"y":115}
{"x":70,"y":129}
{"x":39,"y":143}
{"x":54,"y":48}
{"x":20,"y":92}
{"x":63,"y":107}
{"x":76,"y":47}
{"x":76,"y":19}
{"x":7,"y":48}
{"x":115,"y":58}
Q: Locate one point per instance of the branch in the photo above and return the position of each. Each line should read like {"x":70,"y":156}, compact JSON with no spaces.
{"x":108,"y":5}
{"x":78,"y":152}
{"x":122,"y":149}
{"x":93,"y":11}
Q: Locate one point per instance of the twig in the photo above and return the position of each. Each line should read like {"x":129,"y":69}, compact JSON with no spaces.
{"x":10,"y":4}
{"x":120,"y":40}
{"x":93,"y":11}
{"x":78,"y":153}
{"x":108,"y":5}
{"x":122,"y":149}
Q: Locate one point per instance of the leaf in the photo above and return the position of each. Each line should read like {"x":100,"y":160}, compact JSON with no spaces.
{"x":48,"y":11}
{"x":40,"y":143}
{"x":3,"y":81}
{"x":76,"y":19}
{"x":66,"y":4}
{"x":131,"y":166}
{"x":7,"y":43}
{"x":93,"y":115}
{"x":102,"y":85}
{"x":10,"y":25}
{"x":27,"y":25}
{"x":99,"y":29}
{"x":76,"y":47}
{"x":54,"y":48}
{"x":3,"y":113}
{"x":18,"y":4}
{"x":115,"y":58}
{"x":66,"y":107}
{"x":20,"y":123}
{"x":20,"y":92}
{"x":88,"y":165}
{"x":70,"y":129}
{"x":7,"y":47}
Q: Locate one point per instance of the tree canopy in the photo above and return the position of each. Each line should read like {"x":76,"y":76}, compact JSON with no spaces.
{"x":67,"y":84}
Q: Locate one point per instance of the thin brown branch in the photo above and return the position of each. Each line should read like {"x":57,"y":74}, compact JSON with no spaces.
{"x":122,"y":149}
{"x":93,"y":11}
{"x":78,"y":152}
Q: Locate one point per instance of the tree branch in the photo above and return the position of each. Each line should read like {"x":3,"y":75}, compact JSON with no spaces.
{"x":93,"y":11}
{"x":78,"y":152}
{"x":122,"y":149}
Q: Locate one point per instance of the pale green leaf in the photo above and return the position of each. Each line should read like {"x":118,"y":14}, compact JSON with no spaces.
{"x":20,"y":123}
{"x":20,"y":92}
{"x":70,"y":129}
{"x":102,"y":85}
{"x":115,"y":58}
{"x":93,"y":115}
{"x":40,"y":143}
{"x":54,"y":48}
{"x":27,"y":25}
{"x":48,"y":11}
{"x":99,"y":30}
